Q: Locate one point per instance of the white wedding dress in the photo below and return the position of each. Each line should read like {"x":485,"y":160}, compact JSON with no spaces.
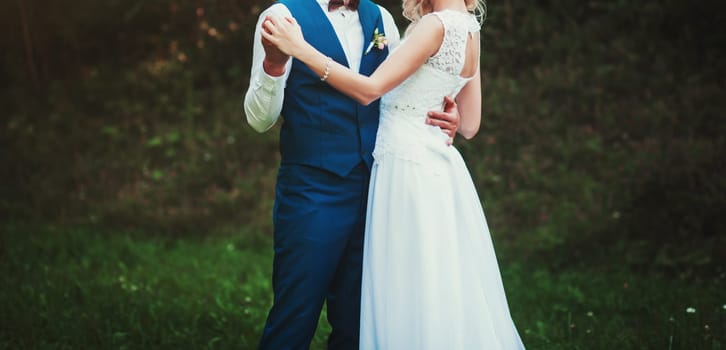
{"x":430,"y":275}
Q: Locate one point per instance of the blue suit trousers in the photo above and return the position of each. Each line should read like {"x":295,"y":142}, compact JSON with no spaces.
{"x":319,"y":220}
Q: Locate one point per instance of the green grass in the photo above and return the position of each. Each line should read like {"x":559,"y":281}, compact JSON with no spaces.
{"x":76,"y":288}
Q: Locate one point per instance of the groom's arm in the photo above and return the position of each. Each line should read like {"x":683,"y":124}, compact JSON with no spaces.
{"x":270,"y":69}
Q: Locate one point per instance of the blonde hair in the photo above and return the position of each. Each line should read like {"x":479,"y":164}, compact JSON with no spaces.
{"x":413,"y":10}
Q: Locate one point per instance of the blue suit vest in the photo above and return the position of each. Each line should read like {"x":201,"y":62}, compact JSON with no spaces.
{"x":322,"y":127}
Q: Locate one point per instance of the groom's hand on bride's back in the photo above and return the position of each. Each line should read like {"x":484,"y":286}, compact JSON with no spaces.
{"x":275,"y":60}
{"x":447,"y":120}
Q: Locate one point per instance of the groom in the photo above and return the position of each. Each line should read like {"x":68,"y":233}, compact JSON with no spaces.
{"x":326,"y":141}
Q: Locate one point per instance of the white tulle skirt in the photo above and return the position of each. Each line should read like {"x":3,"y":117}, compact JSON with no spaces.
{"x":430,"y":274}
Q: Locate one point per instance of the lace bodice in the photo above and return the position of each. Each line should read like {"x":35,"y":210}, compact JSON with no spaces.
{"x":406,"y":105}
{"x":440,"y":76}
{"x":458,"y":27}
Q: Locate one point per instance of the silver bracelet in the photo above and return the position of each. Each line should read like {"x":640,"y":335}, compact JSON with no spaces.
{"x":326,"y":73}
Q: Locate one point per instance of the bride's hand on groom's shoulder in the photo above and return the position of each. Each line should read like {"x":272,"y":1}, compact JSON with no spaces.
{"x":284,"y":33}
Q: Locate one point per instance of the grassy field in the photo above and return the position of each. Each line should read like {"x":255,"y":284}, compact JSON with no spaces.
{"x":81,"y":288}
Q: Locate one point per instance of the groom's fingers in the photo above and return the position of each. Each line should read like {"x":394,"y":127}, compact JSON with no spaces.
{"x":444,"y":120}
{"x":449,"y":104}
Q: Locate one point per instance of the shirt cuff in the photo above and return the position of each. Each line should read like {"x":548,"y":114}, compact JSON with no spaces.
{"x":270,"y":84}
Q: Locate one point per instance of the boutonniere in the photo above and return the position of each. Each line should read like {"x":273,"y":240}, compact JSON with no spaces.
{"x":379,"y":41}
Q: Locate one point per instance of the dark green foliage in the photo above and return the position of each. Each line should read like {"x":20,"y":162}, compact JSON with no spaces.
{"x":604,"y":125}
{"x":599,"y":118}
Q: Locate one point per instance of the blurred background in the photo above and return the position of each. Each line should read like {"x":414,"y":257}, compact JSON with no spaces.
{"x":136,"y":202}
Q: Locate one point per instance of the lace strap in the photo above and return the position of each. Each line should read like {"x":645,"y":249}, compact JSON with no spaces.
{"x":458,"y":26}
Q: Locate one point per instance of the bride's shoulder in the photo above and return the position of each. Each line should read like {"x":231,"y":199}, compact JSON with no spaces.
{"x":428,"y":23}
{"x":425,"y":35}
{"x":449,"y":17}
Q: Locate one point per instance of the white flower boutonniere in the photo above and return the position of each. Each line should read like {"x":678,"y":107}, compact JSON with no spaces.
{"x":379,"y":41}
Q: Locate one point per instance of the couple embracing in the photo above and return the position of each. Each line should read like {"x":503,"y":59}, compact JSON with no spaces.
{"x":375,"y":212}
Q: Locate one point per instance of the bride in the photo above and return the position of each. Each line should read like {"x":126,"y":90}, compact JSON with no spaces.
{"x":430,"y":274}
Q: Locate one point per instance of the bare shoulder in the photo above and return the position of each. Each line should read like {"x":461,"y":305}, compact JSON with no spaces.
{"x":429,"y":25}
{"x":424,"y":36}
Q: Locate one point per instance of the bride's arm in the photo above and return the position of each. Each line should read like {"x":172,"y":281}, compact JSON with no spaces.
{"x":469,"y":103}
{"x":423,"y":41}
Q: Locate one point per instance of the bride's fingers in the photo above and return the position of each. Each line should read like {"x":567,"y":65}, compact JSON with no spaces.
{"x":274,"y":24}
{"x":278,"y":22}
{"x":268,"y":26}
{"x":271,"y":33}
{"x":265,"y":29}
{"x":269,"y":37}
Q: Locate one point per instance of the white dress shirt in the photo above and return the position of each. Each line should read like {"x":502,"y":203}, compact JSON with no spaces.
{"x":265,"y":95}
